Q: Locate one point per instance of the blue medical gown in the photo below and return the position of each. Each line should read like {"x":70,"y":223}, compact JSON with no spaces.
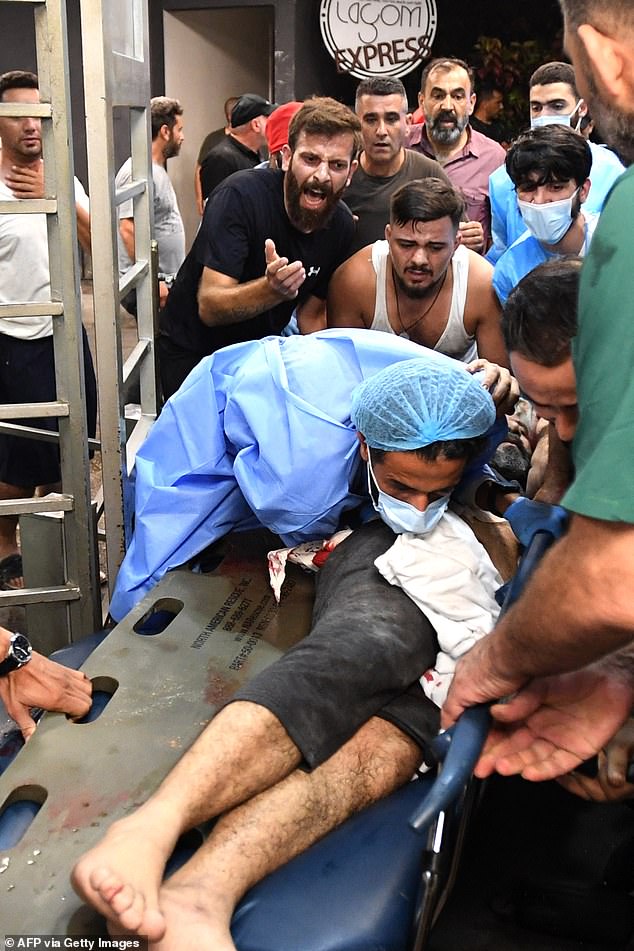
{"x":258,"y":434}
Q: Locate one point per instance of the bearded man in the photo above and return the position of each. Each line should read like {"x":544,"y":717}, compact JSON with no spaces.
{"x":268,"y":244}
{"x":447,"y":100}
{"x":169,"y":230}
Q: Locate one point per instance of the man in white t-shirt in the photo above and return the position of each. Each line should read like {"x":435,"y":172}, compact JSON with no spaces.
{"x":169,"y":231}
{"x":27,"y":367}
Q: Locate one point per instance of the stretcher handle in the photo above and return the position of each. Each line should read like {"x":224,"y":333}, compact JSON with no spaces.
{"x":459,"y":747}
{"x":540,"y":543}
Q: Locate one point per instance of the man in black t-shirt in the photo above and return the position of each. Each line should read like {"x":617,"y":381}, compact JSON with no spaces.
{"x":240,"y":148}
{"x":489,"y":107}
{"x":209,"y":142}
{"x":268,"y":244}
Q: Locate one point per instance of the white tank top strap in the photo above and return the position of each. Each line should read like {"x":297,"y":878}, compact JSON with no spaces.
{"x":380,"y":256}
{"x":455,"y":341}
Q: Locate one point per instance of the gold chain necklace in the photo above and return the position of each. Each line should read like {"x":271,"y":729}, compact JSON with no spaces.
{"x":405,"y":329}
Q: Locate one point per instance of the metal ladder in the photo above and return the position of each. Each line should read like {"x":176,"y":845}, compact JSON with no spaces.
{"x":115,"y":41}
{"x":115,"y":53}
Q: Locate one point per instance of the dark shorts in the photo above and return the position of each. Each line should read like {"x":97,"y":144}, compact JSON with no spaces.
{"x":175,"y":364}
{"x":27,"y":375}
{"x":368,"y":646}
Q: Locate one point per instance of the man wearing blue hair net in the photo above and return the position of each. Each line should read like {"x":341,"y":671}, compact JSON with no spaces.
{"x":259,"y":434}
{"x":337,"y":722}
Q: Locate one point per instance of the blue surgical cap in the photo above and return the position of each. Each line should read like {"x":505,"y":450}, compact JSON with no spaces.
{"x":416,"y":402}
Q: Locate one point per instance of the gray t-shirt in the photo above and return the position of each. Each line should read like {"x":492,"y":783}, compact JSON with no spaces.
{"x":368,"y":196}
{"x":168,"y":224}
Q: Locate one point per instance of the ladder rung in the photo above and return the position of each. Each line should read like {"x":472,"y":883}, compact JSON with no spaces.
{"x":132,"y":276}
{"x":137,"y":438}
{"x":46,"y":308}
{"x":29,"y":432}
{"x":135,"y":188}
{"x":33,"y":410}
{"x":135,"y":358}
{"x":29,"y":206}
{"x":60,"y":503}
{"x":35,"y":595}
{"x":41,"y":110}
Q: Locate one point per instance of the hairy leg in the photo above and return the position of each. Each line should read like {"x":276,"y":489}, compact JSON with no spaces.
{"x":243,"y":751}
{"x":8,"y":537}
{"x":9,"y":524}
{"x":264,"y":833}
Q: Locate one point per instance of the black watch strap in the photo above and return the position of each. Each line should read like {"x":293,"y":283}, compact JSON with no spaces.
{"x":20,"y":652}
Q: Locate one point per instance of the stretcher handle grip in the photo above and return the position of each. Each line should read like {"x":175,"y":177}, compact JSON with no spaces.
{"x":540,"y":543}
{"x":461,"y":745}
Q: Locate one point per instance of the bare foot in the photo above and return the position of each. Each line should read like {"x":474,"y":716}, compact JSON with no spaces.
{"x":122,"y":875}
{"x":196,"y":917}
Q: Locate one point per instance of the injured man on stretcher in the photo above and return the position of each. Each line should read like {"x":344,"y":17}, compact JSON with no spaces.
{"x":341,"y":719}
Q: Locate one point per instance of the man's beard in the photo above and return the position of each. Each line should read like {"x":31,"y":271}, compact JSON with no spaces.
{"x":617,"y":129}
{"x":449,"y":135}
{"x":417,"y":293}
{"x":309,"y":219}
{"x":171,"y":150}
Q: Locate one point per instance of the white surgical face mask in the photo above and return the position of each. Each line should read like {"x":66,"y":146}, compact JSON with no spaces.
{"x":402,"y":516}
{"x":548,"y":222}
{"x":561,"y":118}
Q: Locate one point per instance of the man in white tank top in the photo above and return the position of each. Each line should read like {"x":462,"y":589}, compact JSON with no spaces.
{"x":421,"y":282}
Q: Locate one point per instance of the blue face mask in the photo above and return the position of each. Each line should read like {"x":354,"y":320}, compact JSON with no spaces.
{"x":548,"y":222}
{"x":402,"y":516}
{"x":557,"y":118}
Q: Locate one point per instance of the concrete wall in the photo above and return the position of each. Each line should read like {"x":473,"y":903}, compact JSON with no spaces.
{"x":209,"y":56}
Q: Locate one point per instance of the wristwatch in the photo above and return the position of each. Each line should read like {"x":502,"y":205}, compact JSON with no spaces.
{"x":20,"y":653}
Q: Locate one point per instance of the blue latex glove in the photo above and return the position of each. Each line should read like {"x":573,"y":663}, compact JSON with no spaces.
{"x":527,"y":517}
{"x":471,"y":480}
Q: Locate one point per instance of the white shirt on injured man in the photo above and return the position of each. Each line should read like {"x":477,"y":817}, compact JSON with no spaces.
{"x":449,"y":575}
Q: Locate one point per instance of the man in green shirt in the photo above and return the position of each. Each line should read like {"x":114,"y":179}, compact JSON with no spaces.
{"x":567,"y":645}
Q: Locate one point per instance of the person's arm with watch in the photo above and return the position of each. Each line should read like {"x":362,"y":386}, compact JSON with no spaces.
{"x":28,"y":679}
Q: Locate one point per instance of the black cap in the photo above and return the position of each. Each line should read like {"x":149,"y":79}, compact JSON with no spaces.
{"x":250,"y":106}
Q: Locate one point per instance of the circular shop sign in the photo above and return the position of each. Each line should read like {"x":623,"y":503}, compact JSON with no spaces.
{"x":378,"y":37}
